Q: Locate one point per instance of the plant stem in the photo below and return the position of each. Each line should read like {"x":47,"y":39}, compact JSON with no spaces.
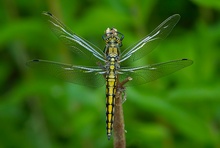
{"x":119,"y":132}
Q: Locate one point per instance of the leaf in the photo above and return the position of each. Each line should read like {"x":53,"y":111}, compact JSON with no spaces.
{"x":183,"y":121}
{"x":210,"y":3}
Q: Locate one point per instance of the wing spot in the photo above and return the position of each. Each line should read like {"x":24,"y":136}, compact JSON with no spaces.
{"x":36,"y":60}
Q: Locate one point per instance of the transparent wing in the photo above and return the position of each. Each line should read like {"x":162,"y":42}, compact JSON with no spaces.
{"x":136,"y":51}
{"x":76,"y":43}
{"x":144,"y":74}
{"x":88,"y":76}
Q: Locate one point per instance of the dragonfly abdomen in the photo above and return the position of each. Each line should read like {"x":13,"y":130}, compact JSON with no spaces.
{"x":111,"y":78}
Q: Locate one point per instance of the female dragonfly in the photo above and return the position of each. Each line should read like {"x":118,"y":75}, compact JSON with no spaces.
{"x":109,"y":69}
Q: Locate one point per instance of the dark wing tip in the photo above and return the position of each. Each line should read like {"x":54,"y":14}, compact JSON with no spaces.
{"x":190,"y":61}
{"x":47,"y":13}
{"x":185,"y":59}
{"x":31,"y":61}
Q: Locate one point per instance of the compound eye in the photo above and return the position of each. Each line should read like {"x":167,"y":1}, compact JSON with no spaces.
{"x":114,"y":29}
{"x":108,"y":30}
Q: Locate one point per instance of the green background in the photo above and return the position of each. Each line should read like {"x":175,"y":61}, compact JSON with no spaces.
{"x":178,"y":111}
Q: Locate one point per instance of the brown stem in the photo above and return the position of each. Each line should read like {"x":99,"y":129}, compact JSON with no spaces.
{"x":119,"y":132}
{"x":121,"y":84}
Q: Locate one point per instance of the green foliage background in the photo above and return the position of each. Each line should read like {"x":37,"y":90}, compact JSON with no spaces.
{"x":178,"y":111}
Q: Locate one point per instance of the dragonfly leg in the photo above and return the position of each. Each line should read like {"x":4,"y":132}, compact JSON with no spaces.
{"x":121,"y":88}
{"x":124,"y":97}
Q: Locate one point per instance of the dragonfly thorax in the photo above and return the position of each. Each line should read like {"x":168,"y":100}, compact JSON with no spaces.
{"x":113,"y":40}
{"x":112,"y":37}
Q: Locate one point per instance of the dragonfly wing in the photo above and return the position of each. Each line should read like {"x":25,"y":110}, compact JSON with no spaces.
{"x":88,"y":76}
{"x":76,"y":43}
{"x":136,"y":51}
{"x":145,"y":74}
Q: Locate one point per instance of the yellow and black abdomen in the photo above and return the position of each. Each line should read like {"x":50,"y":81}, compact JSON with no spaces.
{"x":111,"y":82}
{"x":112,"y":53}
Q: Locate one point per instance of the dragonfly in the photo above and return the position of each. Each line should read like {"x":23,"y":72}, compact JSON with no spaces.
{"x":109,"y":69}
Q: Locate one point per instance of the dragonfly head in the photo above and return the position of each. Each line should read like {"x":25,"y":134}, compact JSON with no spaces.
{"x":112,"y":36}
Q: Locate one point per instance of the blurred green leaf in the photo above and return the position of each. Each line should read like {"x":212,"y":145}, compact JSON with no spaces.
{"x":18,"y":29}
{"x":182,"y":120}
{"x":210,"y":3}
